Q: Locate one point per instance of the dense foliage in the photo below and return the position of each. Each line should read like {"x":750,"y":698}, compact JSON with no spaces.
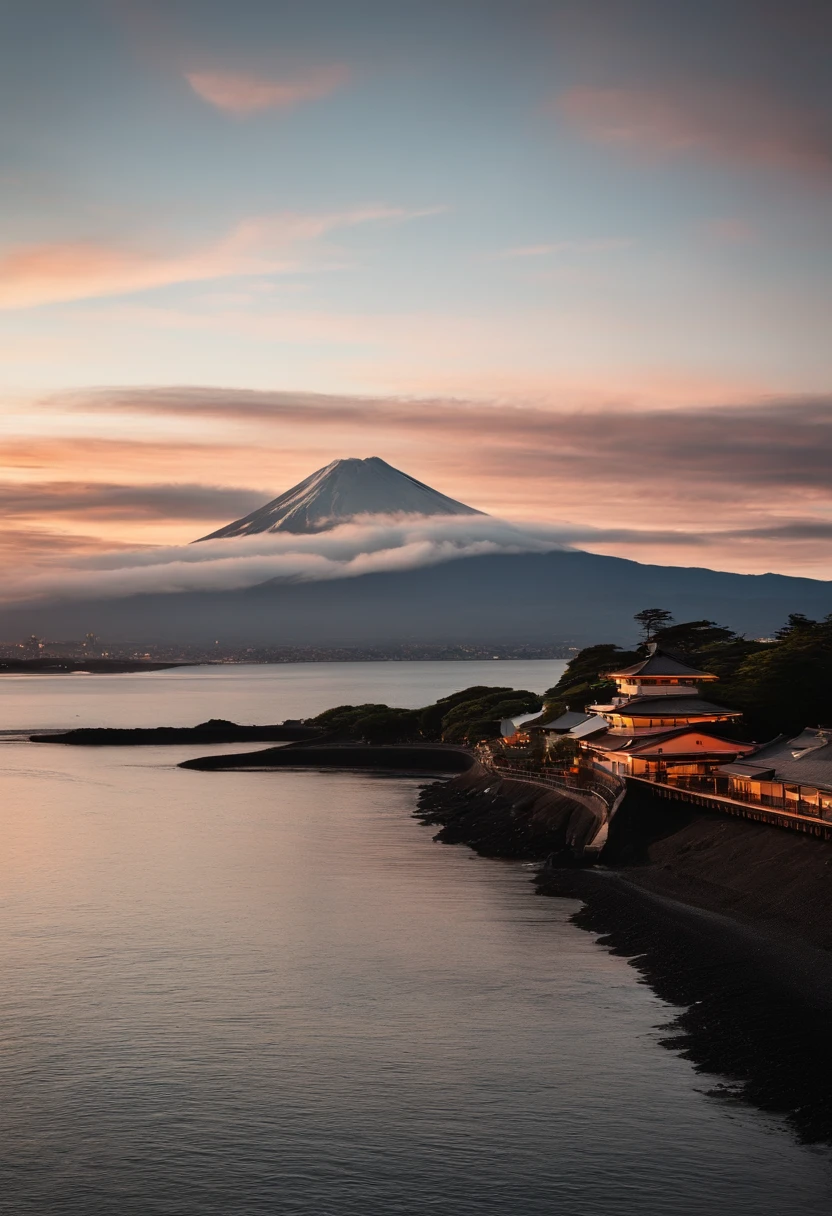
{"x":464,"y":717}
{"x":583,"y":681}
{"x":781,"y":685}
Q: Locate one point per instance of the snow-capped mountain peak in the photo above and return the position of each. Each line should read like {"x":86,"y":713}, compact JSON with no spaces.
{"x":339,"y":492}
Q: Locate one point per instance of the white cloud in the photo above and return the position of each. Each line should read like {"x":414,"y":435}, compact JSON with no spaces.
{"x":371,"y":544}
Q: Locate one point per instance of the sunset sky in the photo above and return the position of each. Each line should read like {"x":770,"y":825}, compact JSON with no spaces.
{"x":566,"y":262}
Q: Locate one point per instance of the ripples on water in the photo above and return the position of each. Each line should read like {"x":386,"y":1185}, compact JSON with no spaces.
{"x":272,"y":993}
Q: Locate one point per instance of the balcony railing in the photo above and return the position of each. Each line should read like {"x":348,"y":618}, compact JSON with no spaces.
{"x":784,"y":796}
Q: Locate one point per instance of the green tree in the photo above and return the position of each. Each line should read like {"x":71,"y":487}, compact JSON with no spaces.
{"x":583,"y":681}
{"x":690,"y":637}
{"x":785,"y":687}
{"x":480,"y":717}
{"x":387,"y":726}
{"x":343,"y":717}
{"x":797,"y":622}
{"x":430,"y":718}
{"x":652,"y":620}
{"x":563,"y":750}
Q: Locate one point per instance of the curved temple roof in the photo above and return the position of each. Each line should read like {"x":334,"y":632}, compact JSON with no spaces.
{"x":658,"y":663}
{"x":670,"y":707}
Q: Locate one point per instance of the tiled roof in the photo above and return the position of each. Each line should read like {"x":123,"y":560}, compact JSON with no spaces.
{"x":566,"y":721}
{"x":510,"y":726}
{"x":670,"y":707}
{"x":612,"y":741}
{"x":590,"y":726}
{"x":804,"y":760}
{"x":661,"y":664}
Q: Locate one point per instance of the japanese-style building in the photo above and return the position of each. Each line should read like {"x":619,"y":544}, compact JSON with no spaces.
{"x":658,"y":721}
{"x":793,"y":775}
{"x":658,"y":727}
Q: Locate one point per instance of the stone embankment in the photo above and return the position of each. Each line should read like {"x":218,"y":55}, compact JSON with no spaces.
{"x":510,"y":817}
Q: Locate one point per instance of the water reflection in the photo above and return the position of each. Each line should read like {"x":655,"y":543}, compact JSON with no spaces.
{"x":261,"y":992}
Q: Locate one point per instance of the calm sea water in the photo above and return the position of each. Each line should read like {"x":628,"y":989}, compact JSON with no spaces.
{"x":268,"y":993}
{"x":184,"y":696}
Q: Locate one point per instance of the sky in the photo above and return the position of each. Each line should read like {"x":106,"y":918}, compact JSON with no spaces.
{"x":566,"y":262}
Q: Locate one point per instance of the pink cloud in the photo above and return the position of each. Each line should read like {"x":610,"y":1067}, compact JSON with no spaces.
{"x":731,"y":231}
{"x":740,"y":486}
{"x":241,"y":94}
{"x":741,"y":127}
{"x":60,"y":271}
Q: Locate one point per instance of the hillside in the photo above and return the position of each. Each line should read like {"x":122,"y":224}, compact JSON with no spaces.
{"x":564,"y":595}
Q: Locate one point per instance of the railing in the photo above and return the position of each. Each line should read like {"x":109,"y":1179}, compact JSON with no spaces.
{"x":602,"y":785}
{"x":791,"y":802}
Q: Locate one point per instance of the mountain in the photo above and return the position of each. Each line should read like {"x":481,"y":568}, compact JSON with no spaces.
{"x":491,"y":598}
{"x":338,"y":493}
{"x":500,"y":598}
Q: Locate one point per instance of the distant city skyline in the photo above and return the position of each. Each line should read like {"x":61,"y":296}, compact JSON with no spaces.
{"x":566,"y":262}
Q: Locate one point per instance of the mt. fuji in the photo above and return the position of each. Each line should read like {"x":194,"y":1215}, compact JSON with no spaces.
{"x":340,"y":492}
{"x":415,"y":567}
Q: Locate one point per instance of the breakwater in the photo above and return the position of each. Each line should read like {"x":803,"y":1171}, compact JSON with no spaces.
{"x":400,"y":759}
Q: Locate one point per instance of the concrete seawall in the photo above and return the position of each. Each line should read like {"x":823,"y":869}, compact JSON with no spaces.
{"x":509,"y":817}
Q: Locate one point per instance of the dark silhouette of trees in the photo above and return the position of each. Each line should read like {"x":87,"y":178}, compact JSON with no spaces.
{"x":781,"y":686}
{"x":689,"y":637}
{"x":652,"y":620}
{"x":583,"y":680}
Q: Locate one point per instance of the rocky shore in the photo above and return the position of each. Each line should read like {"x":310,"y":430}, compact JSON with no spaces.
{"x":499,"y":817}
{"x":728,"y":920}
{"x":755,"y":1006}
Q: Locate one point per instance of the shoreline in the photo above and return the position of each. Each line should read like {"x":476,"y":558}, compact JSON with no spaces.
{"x":85,"y":667}
{"x":727,"y":920}
{"x":752,"y":1008}
{"x":751,"y":986}
{"x":213,"y":731}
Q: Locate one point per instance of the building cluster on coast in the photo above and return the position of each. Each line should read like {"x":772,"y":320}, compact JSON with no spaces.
{"x":658,"y":727}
